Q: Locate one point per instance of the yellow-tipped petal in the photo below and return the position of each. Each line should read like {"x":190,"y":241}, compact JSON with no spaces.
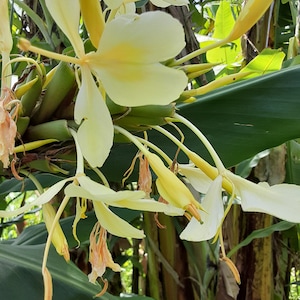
{"x":66,"y":14}
{"x":211,"y":218}
{"x":93,"y":19}
{"x":196,"y":177}
{"x":95,"y":134}
{"x":129,"y":55}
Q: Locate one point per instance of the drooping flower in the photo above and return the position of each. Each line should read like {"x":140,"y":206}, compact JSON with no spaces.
{"x":127,"y":64}
{"x":8,"y":128}
{"x":169,"y":186}
{"x":100,"y":257}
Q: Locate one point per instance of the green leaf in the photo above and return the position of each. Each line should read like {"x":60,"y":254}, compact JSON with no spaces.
{"x":269,"y":60}
{"x":21,"y":261}
{"x":20,"y":275}
{"x":261,"y":233}
{"x":36,"y":19}
{"x":223,"y":25}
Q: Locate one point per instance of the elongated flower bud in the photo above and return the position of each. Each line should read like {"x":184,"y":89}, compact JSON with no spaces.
{"x":5,"y":43}
{"x":58,"y":239}
{"x":250,"y":14}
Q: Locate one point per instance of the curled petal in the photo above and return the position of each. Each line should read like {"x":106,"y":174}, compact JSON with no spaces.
{"x":95,"y":134}
{"x":213,"y":205}
{"x":110,"y":197}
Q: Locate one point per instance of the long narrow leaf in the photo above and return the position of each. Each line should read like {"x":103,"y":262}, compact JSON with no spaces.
{"x":261,"y":233}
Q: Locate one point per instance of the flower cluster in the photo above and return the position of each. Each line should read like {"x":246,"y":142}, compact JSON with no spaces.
{"x":133,"y":64}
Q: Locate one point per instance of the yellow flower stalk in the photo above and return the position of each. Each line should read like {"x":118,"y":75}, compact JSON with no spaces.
{"x":58,"y":238}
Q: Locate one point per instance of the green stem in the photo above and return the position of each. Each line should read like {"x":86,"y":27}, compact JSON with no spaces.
{"x":157,"y":150}
{"x":33,"y":179}
{"x":51,"y":232}
{"x":198,"y":52}
{"x":132,"y":138}
{"x":102,"y":177}
{"x":26,"y":46}
{"x":205,"y":142}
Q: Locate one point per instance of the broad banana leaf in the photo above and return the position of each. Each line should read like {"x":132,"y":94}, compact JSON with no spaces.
{"x":240,"y":120}
{"x":21,"y":260}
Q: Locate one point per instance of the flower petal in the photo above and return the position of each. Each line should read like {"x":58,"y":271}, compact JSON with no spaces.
{"x":147,"y":38}
{"x":111,"y":198}
{"x":197,"y":178}
{"x":114,"y":224}
{"x":42,"y":199}
{"x":213,"y":205}
{"x":162,"y":3}
{"x":281,"y":201}
{"x":129,"y":199}
{"x":136,"y":84}
{"x":66,"y":14}
{"x":129,"y":55}
{"x":95,"y":134}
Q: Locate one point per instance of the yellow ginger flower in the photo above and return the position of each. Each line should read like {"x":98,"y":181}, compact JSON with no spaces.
{"x":169,"y":186}
{"x":127,"y":65}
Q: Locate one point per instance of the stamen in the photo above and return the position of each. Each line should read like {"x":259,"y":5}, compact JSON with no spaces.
{"x":192,"y":210}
